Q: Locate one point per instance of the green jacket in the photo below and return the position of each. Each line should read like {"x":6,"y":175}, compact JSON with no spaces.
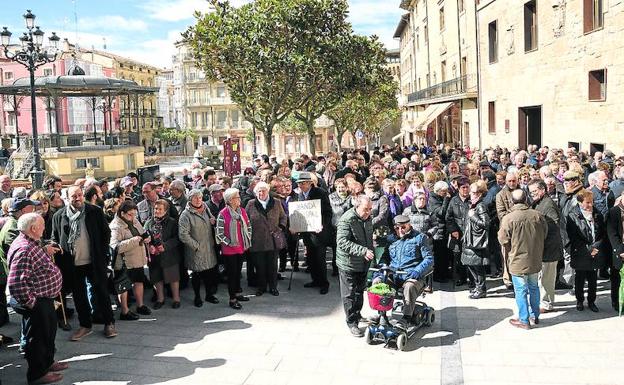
{"x":7,"y":235}
{"x":354,"y":237}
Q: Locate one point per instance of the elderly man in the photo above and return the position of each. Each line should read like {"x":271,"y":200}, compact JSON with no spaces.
{"x":522,"y":233}
{"x":503,"y":207}
{"x":354,"y":252}
{"x":177,"y":189}
{"x":146,"y":206}
{"x":316,"y":242}
{"x":410,"y":252}
{"x":456,"y":213}
{"x":5,"y":187}
{"x":84,"y":236}
{"x":553,"y":248}
{"x":34,"y":282}
{"x":572,"y":184}
{"x":7,"y":235}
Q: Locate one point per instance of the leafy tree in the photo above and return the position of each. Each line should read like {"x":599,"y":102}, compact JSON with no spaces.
{"x":276,"y":56}
{"x":171,"y":135}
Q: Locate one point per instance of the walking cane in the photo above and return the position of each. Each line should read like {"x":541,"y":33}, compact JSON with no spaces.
{"x":61,"y":298}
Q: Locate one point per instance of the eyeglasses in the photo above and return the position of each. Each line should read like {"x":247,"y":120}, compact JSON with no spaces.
{"x":403,"y":226}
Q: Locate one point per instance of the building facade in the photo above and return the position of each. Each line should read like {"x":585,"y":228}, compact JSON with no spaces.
{"x":551,"y":73}
{"x":439,"y":71}
{"x":164,"y":108}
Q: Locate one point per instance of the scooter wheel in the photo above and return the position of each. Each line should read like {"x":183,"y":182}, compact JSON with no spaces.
{"x":368,"y":336}
{"x":401,"y":341}
{"x":430,"y":318}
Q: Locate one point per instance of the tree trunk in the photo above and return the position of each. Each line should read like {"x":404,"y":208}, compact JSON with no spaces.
{"x":339,"y":135}
{"x":311,"y":137}
{"x":268,"y":134}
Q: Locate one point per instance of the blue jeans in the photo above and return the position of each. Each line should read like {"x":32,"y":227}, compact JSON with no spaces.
{"x":527,"y":285}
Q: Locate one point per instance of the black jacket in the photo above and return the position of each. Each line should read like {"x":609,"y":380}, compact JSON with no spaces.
{"x":456,"y":214}
{"x":476,"y":236}
{"x":438,"y":206}
{"x":553,"y":247}
{"x":99,"y":240}
{"x":616,"y":234}
{"x":580,"y":241}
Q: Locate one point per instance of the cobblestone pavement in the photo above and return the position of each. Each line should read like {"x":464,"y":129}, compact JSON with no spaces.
{"x":301,"y":338}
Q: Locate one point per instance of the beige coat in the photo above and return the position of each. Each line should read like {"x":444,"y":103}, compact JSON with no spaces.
{"x":132,"y":250}
{"x":522,"y":233}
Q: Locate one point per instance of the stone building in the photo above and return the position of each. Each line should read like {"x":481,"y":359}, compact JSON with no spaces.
{"x":438,"y":71}
{"x":551,"y":73}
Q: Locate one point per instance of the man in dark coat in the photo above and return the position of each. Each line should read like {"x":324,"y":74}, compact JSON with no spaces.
{"x":438,"y":205}
{"x":567,"y":202}
{"x":316,"y":242}
{"x":553,"y":248}
{"x":455,"y":219}
{"x":83,"y":233}
{"x":353,"y":255}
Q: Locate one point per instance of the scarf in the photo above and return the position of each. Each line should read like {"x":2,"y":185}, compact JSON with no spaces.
{"x":75,"y":224}
{"x":235,"y":217}
{"x":158,"y":225}
{"x":395,"y":204}
{"x":133,"y":230}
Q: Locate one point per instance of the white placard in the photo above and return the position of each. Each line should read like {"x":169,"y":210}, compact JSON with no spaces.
{"x":305,"y":216}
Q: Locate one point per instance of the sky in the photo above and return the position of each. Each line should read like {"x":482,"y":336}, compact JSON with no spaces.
{"x":145,"y":30}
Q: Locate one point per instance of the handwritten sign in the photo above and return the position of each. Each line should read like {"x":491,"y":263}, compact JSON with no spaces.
{"x":305,"y":216}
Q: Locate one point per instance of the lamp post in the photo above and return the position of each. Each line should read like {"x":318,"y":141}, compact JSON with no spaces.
{"x":32,"y":55}
{"x":107,"y":106}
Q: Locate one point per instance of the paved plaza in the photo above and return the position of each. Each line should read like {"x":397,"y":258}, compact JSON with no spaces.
{"x":301,"y":338}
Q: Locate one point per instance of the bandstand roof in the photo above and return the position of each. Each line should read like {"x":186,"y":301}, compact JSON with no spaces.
{"x":76,"y":86}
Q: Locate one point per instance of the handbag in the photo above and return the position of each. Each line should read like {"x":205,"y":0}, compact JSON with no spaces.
{"x":121,"y":280}
{"x":279,"y":240}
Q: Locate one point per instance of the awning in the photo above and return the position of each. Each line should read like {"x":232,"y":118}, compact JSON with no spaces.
{"x":429,"y":115}
{"x":396,"y":138}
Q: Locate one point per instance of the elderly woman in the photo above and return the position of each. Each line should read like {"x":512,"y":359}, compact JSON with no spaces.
{"x":475,"y":240}
{"x":233,"y":232}
{"x":268,"y":220}
{"x":44,"y":210}
{"x":195,"y":232}
{"x":164,"y":253}
{"x":586,"y":243}
{"x":437,"y":205}
{"x":394,"y":200}
{"x":129,"y":239}
{"x":372,"y":189}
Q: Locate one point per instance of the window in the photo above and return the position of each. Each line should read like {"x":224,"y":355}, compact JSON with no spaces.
{"x":598,"y":85}
{"x":221,"y":119}
{"x":461,"y":6}
{"x":193,"y":119}
{"x":596,"y":147}
{"x":417,"y":39}
{"x":441,"y":18}
{"x":221,"y":92}
{"x":530,"y":26}
{"x":82,"y":163}
{"x":443,"y":71}
{"x":8,"y":75}
{"x":492,"y":117}
{"x":47,"y":72}
{"x":592,"y":15}
{"x":426,"y":35}
{"x":205,"y":119}
{"x":235,"y":118}
{"x":11,"y":119}
{"x":493,"y":42}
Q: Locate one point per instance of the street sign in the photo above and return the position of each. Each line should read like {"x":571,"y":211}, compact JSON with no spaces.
{"x":359,"y":134}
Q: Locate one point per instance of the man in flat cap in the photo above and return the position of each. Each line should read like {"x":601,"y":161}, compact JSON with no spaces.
{"x":412,"y":253}
{"x":572,"y":184}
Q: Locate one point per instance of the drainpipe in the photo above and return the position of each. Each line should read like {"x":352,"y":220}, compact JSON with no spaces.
{"x":461,"y":102}
{"x":478,"y":75}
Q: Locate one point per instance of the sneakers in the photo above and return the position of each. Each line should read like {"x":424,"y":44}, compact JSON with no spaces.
{"x":143,"y":310}
{"x":81,"y":333}
{"x":109,"y":331}
{"x":355,"y":331}
{"x":129,"y":316}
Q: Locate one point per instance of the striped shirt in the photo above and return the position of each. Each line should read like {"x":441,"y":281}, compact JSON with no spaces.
{"x":32,"y":274}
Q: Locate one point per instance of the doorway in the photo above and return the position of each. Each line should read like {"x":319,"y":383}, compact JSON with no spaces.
{"x":529,"y":126}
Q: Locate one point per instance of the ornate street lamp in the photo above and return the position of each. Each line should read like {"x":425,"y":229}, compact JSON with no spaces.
{"x":105,"y":107}
{"x":32,"y":55}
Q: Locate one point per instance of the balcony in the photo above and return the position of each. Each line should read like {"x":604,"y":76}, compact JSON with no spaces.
{"x":459,"y":88}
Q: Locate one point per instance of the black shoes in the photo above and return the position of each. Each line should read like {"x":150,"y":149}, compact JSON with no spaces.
{"x":324,"y":290}
{"x":175,"y":305}
{"x":563,"y":286}
{"x":355,"y":331}
{"x":460,"y":282}
{"x":236,"y":305}
{"x":143,"y":310}
{"x":593,"y":307}
{"x":158,"y":305}
{"x":242,"y":298}
{"x":579,"y":306}
{"x":274,"y":292}
{"x":478,"y":294}
{"x":296,"y":268}
{"x":212,"y":299}
{"x":259,"y":293}
{"x":129,"y":316}
{"x":198,"y":302}
{"x":310,"y":284}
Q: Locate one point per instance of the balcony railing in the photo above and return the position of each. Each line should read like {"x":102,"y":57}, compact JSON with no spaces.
{"x":457,"y":86}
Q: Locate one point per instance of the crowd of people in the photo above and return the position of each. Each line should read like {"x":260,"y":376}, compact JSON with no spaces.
{"x":541,"y":219}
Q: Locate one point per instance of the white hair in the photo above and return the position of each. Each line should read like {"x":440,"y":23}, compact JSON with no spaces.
{"x":26,"y":221}
{"x":20,"y":192}
{"x":260,"y":185}
{"x":194,"y":192}
{"x":439,"y":186}
{"x":177,"y":184}
{"x":592,"y":178}
{"x":229,"y":193}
